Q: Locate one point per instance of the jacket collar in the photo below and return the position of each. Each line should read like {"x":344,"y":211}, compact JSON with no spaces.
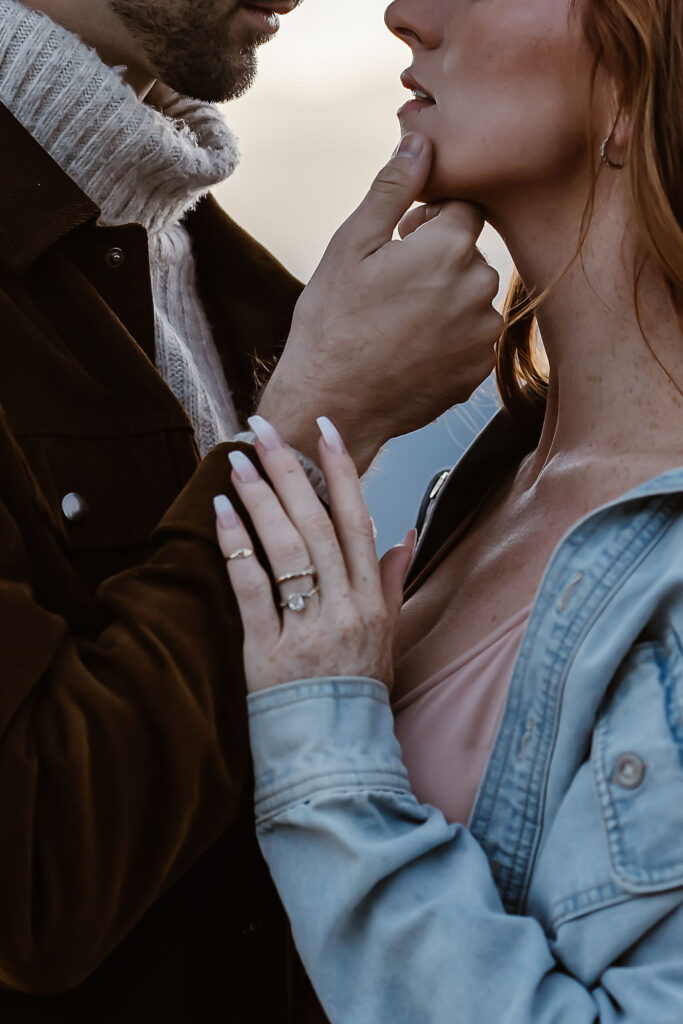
{"x":493,"y":452}
{"x":39,"y":203}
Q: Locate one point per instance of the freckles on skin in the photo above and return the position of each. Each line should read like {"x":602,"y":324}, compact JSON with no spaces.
{"x":511,"y":80}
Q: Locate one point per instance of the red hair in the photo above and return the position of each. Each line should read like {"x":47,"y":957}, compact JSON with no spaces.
{"x":640,"y":43}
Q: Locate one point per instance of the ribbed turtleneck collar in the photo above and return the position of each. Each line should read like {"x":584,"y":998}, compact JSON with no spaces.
{"x":136,"y":164}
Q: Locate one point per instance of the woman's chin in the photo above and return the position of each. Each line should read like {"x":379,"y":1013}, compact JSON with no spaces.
{"x":448,"y":182}
{"x":445,"y":187}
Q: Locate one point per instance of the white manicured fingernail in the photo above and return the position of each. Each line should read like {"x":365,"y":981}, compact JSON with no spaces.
{"x":331,"y":435}
{"x":225,"y":511}
{"x":266,"y":433}
{"x":244,"y":468}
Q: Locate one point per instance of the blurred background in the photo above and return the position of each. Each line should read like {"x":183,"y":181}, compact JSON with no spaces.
{"x":314,"y":130}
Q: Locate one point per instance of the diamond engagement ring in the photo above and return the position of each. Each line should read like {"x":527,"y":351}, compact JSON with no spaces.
{"x":297,"y":602}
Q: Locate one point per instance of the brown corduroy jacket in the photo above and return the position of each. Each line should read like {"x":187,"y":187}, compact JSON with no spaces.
{"x":131,"y":886}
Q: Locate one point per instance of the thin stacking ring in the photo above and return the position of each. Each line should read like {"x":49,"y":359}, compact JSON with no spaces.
{"x":240,"y":553}
{"x":311,"y":571}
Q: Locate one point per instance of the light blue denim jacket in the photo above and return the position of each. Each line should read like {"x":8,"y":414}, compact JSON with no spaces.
{"x":562,"y":901}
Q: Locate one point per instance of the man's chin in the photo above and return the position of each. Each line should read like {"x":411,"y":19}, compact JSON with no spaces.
{"x":218,"y":82}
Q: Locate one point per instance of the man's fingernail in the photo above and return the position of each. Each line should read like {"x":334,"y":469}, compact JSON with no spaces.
{"x":331,"y":435}
{"x":225,"y":511}
{"x":266,"y":433}
{"x":410,"y":146}
{"x":244,"y":468}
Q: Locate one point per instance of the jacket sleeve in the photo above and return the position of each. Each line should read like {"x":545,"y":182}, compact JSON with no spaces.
{"x":395,"y":912}
{"x":123,"y":755}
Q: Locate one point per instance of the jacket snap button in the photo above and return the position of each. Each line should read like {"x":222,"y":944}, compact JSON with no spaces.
{"x":115,"y":258}
{"x":629,"y":771}
{"x":74,"y":507}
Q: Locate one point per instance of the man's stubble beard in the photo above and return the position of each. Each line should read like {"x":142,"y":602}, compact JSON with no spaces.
{"x":192,"y":45}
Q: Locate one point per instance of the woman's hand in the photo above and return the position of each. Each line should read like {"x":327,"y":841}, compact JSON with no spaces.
{"x":346,"y":623}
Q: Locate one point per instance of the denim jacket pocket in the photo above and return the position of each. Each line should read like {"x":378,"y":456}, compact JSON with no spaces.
{"x":618,"y":831}
{"x":638,"y":768}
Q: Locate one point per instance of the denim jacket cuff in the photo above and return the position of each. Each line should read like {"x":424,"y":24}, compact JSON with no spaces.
{"x":322,"y":735}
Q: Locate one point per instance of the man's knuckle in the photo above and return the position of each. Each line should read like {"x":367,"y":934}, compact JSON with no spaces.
{"x":490,"y":328}
{"x":389,"y":179}
{"x":459,"y":249}
{"x":486,"y":281}
{"x":463,"y":218}
{"x":495,"y":325}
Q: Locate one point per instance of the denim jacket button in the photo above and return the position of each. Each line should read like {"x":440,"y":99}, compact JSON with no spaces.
{"x":629,"y":771}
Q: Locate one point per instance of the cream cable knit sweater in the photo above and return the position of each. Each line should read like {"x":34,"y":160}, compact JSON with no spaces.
{"x":138,"y":166}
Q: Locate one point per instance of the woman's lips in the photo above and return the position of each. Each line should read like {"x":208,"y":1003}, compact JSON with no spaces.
{"x":415,"y":106}
{"x":421,"y":98}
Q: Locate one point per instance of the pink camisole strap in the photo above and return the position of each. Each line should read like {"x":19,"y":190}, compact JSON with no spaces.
{"x":447,"y":724}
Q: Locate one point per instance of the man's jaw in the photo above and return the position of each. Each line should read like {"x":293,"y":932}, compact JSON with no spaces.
{"x":250,"y":25}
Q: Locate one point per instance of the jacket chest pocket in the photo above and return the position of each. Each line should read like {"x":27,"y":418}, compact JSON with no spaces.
{"x":611,"y":866}
{"x":618,"y":831}
{"x":107,"y":494}
{"x":638,"y":768}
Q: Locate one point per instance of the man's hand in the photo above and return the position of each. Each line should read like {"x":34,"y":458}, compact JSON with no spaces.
{"x":388,"y":334}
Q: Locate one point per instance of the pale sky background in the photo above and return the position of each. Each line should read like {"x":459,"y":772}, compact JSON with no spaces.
{"x":314,"y":130}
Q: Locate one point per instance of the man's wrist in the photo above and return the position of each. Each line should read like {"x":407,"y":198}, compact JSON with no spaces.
{"x":294,"y":417}
{"x":302,"y":434}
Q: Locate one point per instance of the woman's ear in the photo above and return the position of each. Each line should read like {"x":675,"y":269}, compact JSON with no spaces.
{"x":618,"y":126}
{"x":615,"y":124}
{"x":621,"y":132}
{"x":611,"y":115}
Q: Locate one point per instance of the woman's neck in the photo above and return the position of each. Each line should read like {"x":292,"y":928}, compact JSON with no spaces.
{"x":609,"y":397}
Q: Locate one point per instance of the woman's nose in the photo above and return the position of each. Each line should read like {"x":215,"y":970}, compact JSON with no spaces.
{"x":415,"y":22}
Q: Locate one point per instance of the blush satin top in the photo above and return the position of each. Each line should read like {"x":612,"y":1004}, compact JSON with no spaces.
{"x":447,"y":724}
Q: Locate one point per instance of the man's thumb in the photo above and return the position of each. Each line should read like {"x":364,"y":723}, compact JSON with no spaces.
{"x":393,"y":192}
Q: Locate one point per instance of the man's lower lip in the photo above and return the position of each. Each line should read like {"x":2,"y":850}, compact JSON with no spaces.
{"x":414,"y":106}
{"x":267,"y":21}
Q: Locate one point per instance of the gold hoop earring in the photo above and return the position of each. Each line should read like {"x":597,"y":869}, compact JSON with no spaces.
{"x":606,"y":160}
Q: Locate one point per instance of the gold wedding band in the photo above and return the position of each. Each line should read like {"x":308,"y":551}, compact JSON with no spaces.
{"x":240,"y":553}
